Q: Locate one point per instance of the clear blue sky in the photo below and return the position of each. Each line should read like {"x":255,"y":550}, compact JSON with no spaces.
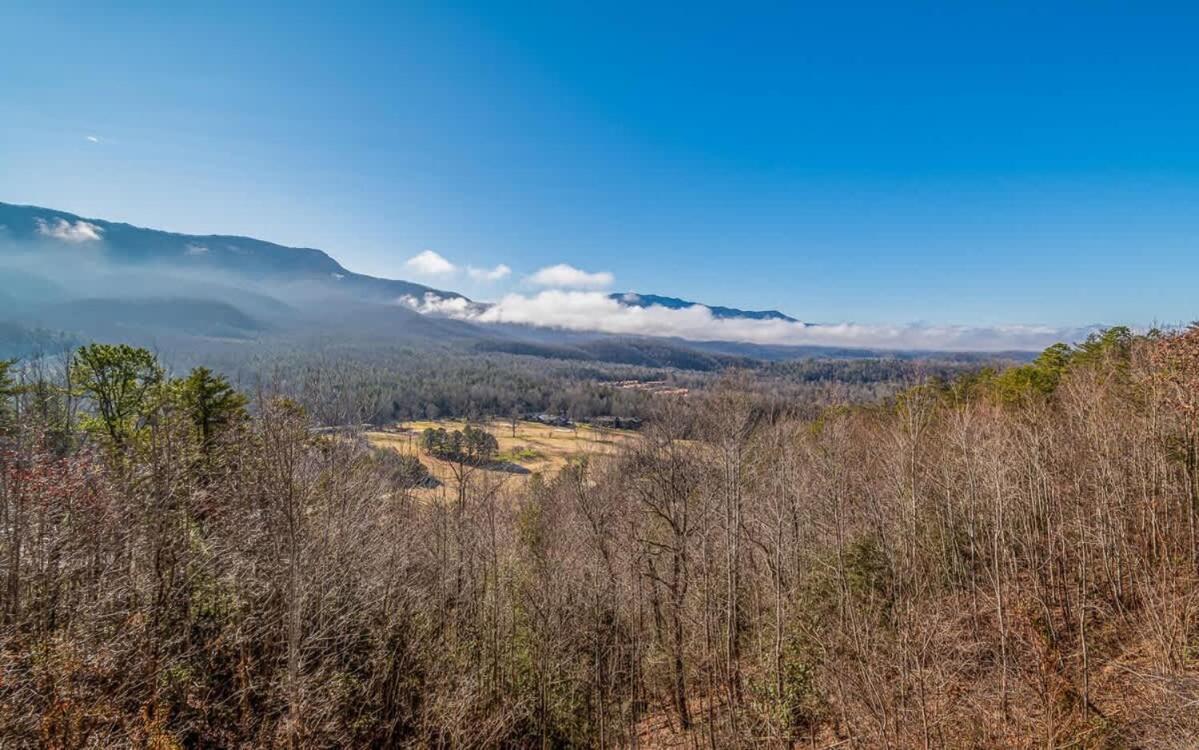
{"x":891,"y":162}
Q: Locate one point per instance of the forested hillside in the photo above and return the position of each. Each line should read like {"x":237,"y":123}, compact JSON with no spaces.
{"x":1002,"y":558}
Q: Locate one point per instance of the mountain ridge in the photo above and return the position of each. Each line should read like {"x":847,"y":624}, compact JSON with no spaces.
{"x":249,"y":258}
{"x":637,"y":299}
{"x":259,"y":260}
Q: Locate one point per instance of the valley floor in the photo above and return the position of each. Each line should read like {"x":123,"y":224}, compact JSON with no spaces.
{"x":525,"y":447}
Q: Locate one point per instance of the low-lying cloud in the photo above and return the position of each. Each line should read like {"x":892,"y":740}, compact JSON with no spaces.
{"x":68,"y":231}
{"x":596,"y":311}
{"x":564,"y":276}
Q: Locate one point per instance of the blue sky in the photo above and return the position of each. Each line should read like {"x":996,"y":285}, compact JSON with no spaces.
{"x":966,"y":163}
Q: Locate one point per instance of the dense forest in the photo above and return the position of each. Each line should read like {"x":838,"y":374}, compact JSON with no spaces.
{"x":349,"y":382}
{"x":989,"y":558}
{"x":367,"y":376}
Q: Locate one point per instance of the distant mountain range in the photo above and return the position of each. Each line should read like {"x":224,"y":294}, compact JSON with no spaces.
{"x":245,"y":259}
{"x":634,"y":299}
{"x":90,"y":279}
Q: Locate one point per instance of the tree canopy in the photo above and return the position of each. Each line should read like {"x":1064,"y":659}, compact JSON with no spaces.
{"x":470,"y":445}
{"x":121,"y":382}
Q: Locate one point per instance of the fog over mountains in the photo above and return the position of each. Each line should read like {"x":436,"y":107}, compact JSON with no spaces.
{"x":100,"y":279}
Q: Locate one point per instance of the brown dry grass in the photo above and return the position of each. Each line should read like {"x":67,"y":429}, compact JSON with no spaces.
{"x":535,"y":447}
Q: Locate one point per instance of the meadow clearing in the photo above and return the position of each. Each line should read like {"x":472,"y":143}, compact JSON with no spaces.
{"x":525,"y":448}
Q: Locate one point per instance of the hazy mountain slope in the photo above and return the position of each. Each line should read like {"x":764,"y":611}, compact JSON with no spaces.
{"x":19,"y":341}
{"x":121,"y":317}
{"x":30,"y":230}
{"x":20,"y":289}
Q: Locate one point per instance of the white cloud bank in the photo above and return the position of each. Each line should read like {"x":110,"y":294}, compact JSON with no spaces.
{"x":563,"y":276}
{"x":595,"y":311}
{"x":430,"y":263}
{"x":66,"y":231}
{"x":489,"y":274}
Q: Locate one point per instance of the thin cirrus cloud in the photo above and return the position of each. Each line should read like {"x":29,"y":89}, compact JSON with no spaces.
{"x":429,"y":263}
{"x":576,"y":310}
{"x":489,"y":274}
{"x":564,"y":276}
{"x":69,"y":231}
{"x":92,"y":138}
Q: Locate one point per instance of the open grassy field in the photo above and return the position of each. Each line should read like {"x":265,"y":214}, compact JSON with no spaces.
{"x":533,"y":448}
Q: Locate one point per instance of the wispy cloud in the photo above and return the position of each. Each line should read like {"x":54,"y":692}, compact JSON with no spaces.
{"x":92,"y":138}
{"x":489,"y":274}
{"x":429,"y":263}
{"x":596,"y":311}
{"x":564,"y":276}
{"x":66,"y":231}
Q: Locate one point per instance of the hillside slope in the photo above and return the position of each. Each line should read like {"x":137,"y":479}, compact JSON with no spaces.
{"x":33,"y":230}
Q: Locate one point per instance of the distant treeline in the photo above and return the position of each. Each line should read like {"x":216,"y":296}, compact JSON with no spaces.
{"x":381,"y":384}
{"x":351,"y":379}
